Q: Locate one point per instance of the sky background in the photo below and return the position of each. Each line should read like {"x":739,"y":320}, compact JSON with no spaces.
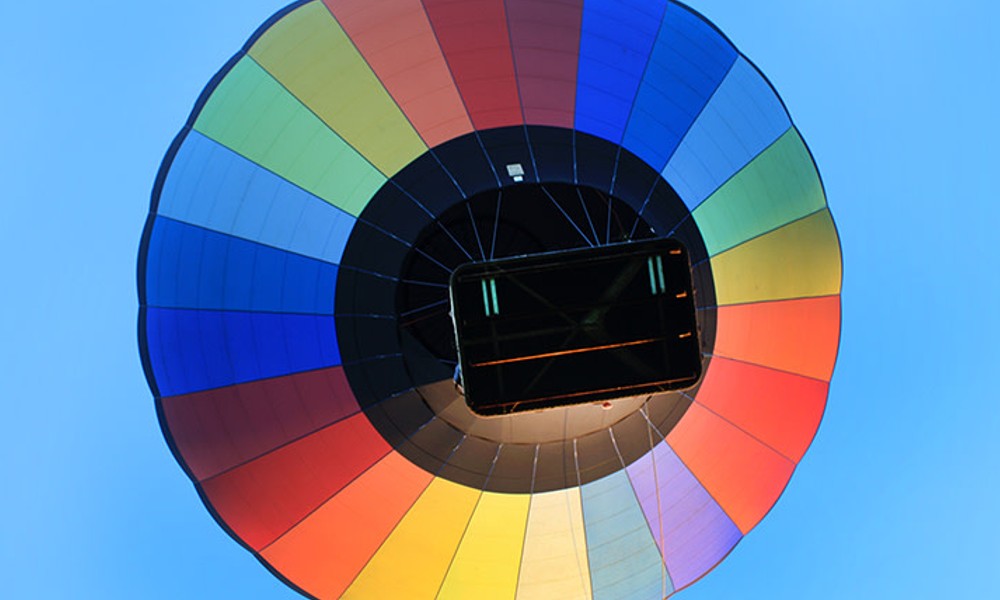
{"x":899,"y":494}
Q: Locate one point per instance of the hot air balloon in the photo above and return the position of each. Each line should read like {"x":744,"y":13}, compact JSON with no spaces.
{"x":523,"y":298}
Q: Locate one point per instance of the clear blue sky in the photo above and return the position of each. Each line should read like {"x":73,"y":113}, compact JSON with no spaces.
{"x":899,"y":495}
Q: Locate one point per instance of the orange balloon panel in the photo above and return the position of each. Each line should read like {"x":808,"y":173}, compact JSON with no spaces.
{"x":743,"y":475}
{"x":264,"y":498}
{"x":791,"y":335}
{"x":780,"y":409}
{"x":327,"y":550}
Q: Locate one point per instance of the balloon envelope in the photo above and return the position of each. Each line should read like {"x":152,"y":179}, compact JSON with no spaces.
{"x":294,"y":278}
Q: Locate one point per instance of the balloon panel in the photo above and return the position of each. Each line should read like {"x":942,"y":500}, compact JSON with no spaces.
{"x":676,"y":85}
{"x":415,"y":558}
{"x":615,"y":42}
{"x":743,"y":118}
{"x":309,"y":54}
{"x":545,"y":38}
{"x":264,"y":498}
{"x":348,"y":142}
{"x":780,"y":185}
{"x":466,"y":161}
{"x":692,"y":531}
{"x":326,"y":550}
{"x":476,"y":43}
{"x":199,"y":268}
{"x":554,"y":560}
{"x":744,"y":475}
{"x":194,"y":350}
{"x":403,"y":52}
{"x":212,"y":187}
{"x":487,"y":560}
{"x":781,"y":410}
{"x":221,"y":428}
{"x":624,"y":560}
{"x":255,"y":116}
{"x":425,"y":182}
{"x":798,"y":260}
{"x":552,"y":149}
{"x":798,"y":336}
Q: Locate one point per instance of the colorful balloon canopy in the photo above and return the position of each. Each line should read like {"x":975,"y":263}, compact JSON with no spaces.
{"x":294,"y":277}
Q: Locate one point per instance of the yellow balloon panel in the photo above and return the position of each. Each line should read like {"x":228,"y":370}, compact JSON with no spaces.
{"x":799,"y":260}
{"x":554,"y":563}
{"x":488,"y":558}
{"x":312,"y":56}
{"x":414,"y":559}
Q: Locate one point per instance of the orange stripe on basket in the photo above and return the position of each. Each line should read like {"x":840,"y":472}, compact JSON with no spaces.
{"x":743,"y":475}
{"x":800,"y":336}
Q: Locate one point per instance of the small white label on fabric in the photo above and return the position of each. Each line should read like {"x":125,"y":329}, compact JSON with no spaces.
{"x":516,"y":171}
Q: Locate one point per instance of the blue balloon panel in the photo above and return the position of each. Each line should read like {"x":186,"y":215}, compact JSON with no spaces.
{"x":197,"y":268}
{"x":211,"y":186}
{"x":194,"y":350}
{"x":689,"y":61}
{"x":624,"y":559}
{"x":743,"y":118}
{"x":615,"y":43}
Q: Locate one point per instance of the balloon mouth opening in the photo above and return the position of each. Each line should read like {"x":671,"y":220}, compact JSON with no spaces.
{"x":515,"y":220}
{"x":562,"y":295}
{"x":461,"y":205}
